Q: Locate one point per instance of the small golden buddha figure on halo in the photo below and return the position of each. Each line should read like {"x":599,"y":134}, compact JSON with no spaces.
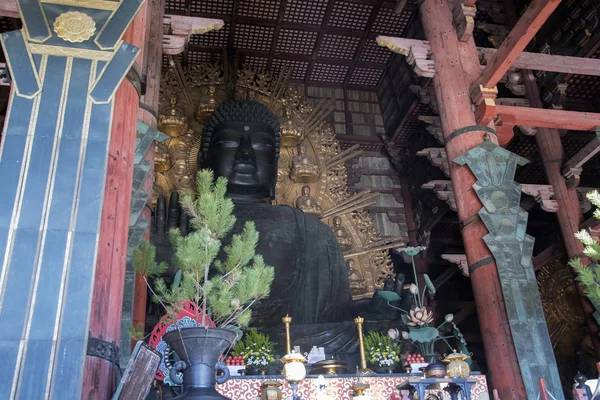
{"x":172,"y":120}
{"x":290,"y":134}
{"x":304,"y":170}
{"x":307,"y":203}
{"x":357,"y":283}
{"x":342,"y":237}
{"x":207,"y":105}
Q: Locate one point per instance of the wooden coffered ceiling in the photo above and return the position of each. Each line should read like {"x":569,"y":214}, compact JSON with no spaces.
{"x":326,"y":42}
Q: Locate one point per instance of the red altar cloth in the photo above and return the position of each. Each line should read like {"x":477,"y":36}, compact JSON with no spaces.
{"x":340,"y":388}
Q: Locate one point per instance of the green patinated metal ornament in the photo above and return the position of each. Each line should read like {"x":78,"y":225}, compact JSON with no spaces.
{"x":495,"y":168}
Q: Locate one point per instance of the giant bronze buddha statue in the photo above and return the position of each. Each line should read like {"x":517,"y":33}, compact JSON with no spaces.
{"x":241,"y":142}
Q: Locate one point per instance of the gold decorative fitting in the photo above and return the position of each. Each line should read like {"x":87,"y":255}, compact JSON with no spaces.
{"x":74,"y":26}
{"x":172,"y":120}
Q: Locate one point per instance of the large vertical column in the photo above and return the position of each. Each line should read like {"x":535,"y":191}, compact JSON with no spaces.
{"x":66,"y":68}
{"x":569,"y":213}
{"x":148,"y":114}
{"x":455,"y":71}
{"x":101,"y":373}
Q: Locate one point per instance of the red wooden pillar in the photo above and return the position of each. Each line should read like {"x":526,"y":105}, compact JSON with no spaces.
{"x":100,"y":375}
{"x":457,"y":68}
{"x":148,"y":114}
{"x":569,"y":213}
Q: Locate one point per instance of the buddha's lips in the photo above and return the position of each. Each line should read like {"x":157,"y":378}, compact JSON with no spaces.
{"x":244,"y":168}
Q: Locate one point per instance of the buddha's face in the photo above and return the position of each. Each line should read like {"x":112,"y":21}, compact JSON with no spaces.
{"x":244,"y":153}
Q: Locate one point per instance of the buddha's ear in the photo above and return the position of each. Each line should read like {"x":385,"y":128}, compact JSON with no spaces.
{"x":272,"y":189}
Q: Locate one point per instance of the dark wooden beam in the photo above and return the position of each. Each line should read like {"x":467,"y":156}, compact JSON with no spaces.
{"x":318,"y":42}
{"x":547,"y":256}
{"x":232,"y":22}
{"x":465,"y":312}
{"x":444,"y":276}
{"x":572,"y":169}
{"x":553,"y":63}
{"x":8,"y":8}
{"x":545,"y":118}
{"x":363,"y":40}
{"x":407,"y":117}
{"x":590,"y":223}
{"x":276,"y":34}
{"x":516,"y":41}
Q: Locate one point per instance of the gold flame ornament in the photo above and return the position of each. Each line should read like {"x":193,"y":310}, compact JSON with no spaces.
{"x":74,"y":26}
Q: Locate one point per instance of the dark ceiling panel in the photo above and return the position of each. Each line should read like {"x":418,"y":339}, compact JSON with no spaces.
{"x":325,"y":41}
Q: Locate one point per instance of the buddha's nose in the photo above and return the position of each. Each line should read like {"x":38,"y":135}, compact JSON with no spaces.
{"x":245,"y":153}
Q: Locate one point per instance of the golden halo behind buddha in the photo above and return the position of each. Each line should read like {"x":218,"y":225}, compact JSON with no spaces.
{"x":305,"y":179}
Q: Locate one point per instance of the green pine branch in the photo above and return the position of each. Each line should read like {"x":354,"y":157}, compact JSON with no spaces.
{"x":225,"y":290}
{"x":589,"y":276}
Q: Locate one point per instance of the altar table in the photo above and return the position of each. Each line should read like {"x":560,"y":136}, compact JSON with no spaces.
{"x":339,"y":386}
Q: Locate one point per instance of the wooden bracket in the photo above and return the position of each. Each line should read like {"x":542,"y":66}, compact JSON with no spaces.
{"x":426,"y":96}
{"x":437,"y":157}
{"x":504,"y":131}
{"x":573,"y":168}
{"x":180,"y":28}
{"x":556,"y":96}
{"x":464,"y":21}
{"x":542,"y":194}
{"x":417,"y":53}
{"x":460,"y":260}
{"x":443,"y":191}
{"x":484,"y":100}
{"x":434,"y":126}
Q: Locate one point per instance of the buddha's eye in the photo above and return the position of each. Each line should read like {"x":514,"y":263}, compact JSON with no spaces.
{"x":227,"y":143}
{"x":262,"y":146}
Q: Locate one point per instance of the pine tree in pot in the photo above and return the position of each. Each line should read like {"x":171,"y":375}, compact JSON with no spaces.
{"x":221,"y":292}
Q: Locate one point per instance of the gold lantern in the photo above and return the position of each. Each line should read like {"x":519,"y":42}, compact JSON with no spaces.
{"x":270,"y":390}
{"x":457,"y":366}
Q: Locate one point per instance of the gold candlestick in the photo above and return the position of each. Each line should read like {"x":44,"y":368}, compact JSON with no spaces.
{"x":287,"y":320}
{"x":363,"y":361}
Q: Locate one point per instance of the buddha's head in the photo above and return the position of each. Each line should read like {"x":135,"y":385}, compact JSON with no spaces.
{"x":240,"y":142}
{"x":305,"y":190}
{"x":337,"y":221}
{"x":301,"y":149}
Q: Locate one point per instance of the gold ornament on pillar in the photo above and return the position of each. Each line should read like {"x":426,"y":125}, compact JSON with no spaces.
{"x":74,"y":26}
